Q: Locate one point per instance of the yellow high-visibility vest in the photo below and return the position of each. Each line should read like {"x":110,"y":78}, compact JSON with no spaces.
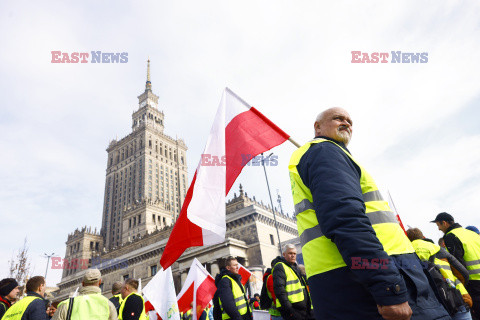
{"x":471,"y":248}
{"x":425,"y":250}
{"x":16,"y":311}
{"x":143,"y":316}
{"x":89,"y":306}
{"x":294,"y":287}
{"x":238,"y":297}
{"x":320,"y":253}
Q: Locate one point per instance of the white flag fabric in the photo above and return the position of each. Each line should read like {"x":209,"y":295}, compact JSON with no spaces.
{"x":160,"y":291}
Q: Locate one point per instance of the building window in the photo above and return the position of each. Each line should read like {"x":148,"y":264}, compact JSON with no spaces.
{"x":139,"y":219}
{"x":272,"y":240}
{"x":153,"y":270}
{"x":125,"y":277}
{"x":91,"y":245}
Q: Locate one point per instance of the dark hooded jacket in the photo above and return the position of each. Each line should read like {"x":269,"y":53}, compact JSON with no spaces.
{"x":225,"y":294}
{"x":36,"y":310}
{"x":290,"y":311}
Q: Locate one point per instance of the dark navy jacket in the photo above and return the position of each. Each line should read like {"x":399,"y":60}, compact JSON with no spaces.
{"x":334,"y":180}
{"x":37,"y":309}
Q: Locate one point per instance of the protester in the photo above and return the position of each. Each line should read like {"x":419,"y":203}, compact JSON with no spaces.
{"x":441,"y":242}
{"x":464,"y":245}
{"x":31,"y":307}
{"x":343,"y":223}
{"x":292,"y":298}
{"x":255,"y":302}
{"x":116,"y":298}
{"x":8,"y":294}
{"x":428,"y":251}
{"x":232,"y":300}
{"x":89,"y":304}
{"x":133,"y":305}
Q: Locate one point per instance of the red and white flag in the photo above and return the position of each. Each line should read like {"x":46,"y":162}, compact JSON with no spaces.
{"x":245,"y":273}
{"x":239,"y":133}
{"x":198,"y":289}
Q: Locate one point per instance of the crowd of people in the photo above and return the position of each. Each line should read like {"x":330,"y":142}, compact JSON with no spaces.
{"x":359,"y":262}
{"x":125,"y":304}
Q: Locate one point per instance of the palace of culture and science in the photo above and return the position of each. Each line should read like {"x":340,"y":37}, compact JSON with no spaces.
{"x":146,"y":182}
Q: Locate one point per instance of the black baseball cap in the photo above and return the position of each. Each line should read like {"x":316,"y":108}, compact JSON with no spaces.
{"x":443,"y":216}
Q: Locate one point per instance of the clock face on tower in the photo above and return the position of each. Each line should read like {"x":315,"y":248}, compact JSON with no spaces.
{"x":143,"y":103}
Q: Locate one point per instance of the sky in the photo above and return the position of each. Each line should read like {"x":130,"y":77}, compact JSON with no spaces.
{"x":415,"y":124}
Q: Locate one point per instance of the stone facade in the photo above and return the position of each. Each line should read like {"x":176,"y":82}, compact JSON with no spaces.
{"x":143,"y":196}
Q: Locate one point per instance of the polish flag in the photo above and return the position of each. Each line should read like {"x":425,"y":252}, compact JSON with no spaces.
{"x":199,"y":288}
{"x":239,"y":133}
{"x":245,"y":273}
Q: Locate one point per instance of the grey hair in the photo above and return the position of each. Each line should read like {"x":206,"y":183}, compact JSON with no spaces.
{"x":288,"y":246}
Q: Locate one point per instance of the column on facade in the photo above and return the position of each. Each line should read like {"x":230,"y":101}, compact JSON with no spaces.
{"x":214,"y":268}
{"x":183,"y":277}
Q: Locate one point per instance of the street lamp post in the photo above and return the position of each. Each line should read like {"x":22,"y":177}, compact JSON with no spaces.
{"x":48,"y":261}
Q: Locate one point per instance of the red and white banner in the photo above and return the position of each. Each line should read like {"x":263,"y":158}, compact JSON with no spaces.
{"x":197,"y":291}
{"x":238,"y":131}
{"x":245,"y":273}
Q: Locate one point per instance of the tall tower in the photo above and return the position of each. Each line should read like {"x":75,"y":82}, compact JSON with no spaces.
{"x":146,"y":176}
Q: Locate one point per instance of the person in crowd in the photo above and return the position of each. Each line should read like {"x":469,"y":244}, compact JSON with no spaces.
{"x":292,"y":298}
{"x":33,"y":306}
{"x":473,"y":228}
{"x":464,"y":245}
{"x":133,"y":304}
{"x":344,"y":224}
{"x":445,"y":262}
{"x":90,"y":303}
{"x":8,"y":294}
{"x":232,"y":299}
{"x":116,"y":298}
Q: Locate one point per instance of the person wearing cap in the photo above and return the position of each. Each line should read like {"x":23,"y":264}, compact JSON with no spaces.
{"x":8,"y":294}
{"x":89,"y":304}
{"x":31,"y":307}
{"x":133,"y":305}
{"x":464,"y":245}
{"x":359,"y":262}
{"x":117,"y":294}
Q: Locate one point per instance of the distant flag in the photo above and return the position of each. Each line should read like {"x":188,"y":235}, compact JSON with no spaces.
{"x":160,"y":292}
{"x":239,"y":133}
{"x":390,"y":201}
{"x":198,"y":289}
{"x":245,"y":273}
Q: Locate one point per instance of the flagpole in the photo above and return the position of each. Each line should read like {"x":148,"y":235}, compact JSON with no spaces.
{"x":294,"y":142}
{"x":271,"y":203}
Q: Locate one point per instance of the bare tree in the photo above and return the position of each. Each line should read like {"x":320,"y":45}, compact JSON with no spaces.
{"x":19,"y":266}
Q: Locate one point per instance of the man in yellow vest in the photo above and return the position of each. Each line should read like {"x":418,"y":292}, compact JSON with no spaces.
{"x":233,"y":301}
{"x":292,"y":297}
{"x":358,"y":260}
{"x":133,"y":304}
{"x":464,"y":245}
{"x":31,"y":307}
{"x":89,"y":304}
{"x":430,"y":252}
{"x":116,"y":298}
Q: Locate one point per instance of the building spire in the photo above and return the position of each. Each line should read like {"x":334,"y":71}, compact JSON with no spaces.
{"x":148,"y":85}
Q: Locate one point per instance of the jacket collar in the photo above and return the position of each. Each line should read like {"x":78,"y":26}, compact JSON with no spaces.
{"x":341,"y":144}
{"x":6,"y":301}
{"x":453,"y":226}
{"x":34,"y":294}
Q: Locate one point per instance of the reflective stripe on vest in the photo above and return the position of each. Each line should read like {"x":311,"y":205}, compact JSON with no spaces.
{"x":16,"y":311}
{"x":293,"y":286}
{"x":89,"y":306}
{"x":425,"y":250}
{"x":143,"y":316}
{"x":471,"y":248}
{"x":238,"y":297}
{"x":320,"y":253}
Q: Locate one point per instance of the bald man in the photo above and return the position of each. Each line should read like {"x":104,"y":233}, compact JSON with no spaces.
{"x":359,"y":262}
